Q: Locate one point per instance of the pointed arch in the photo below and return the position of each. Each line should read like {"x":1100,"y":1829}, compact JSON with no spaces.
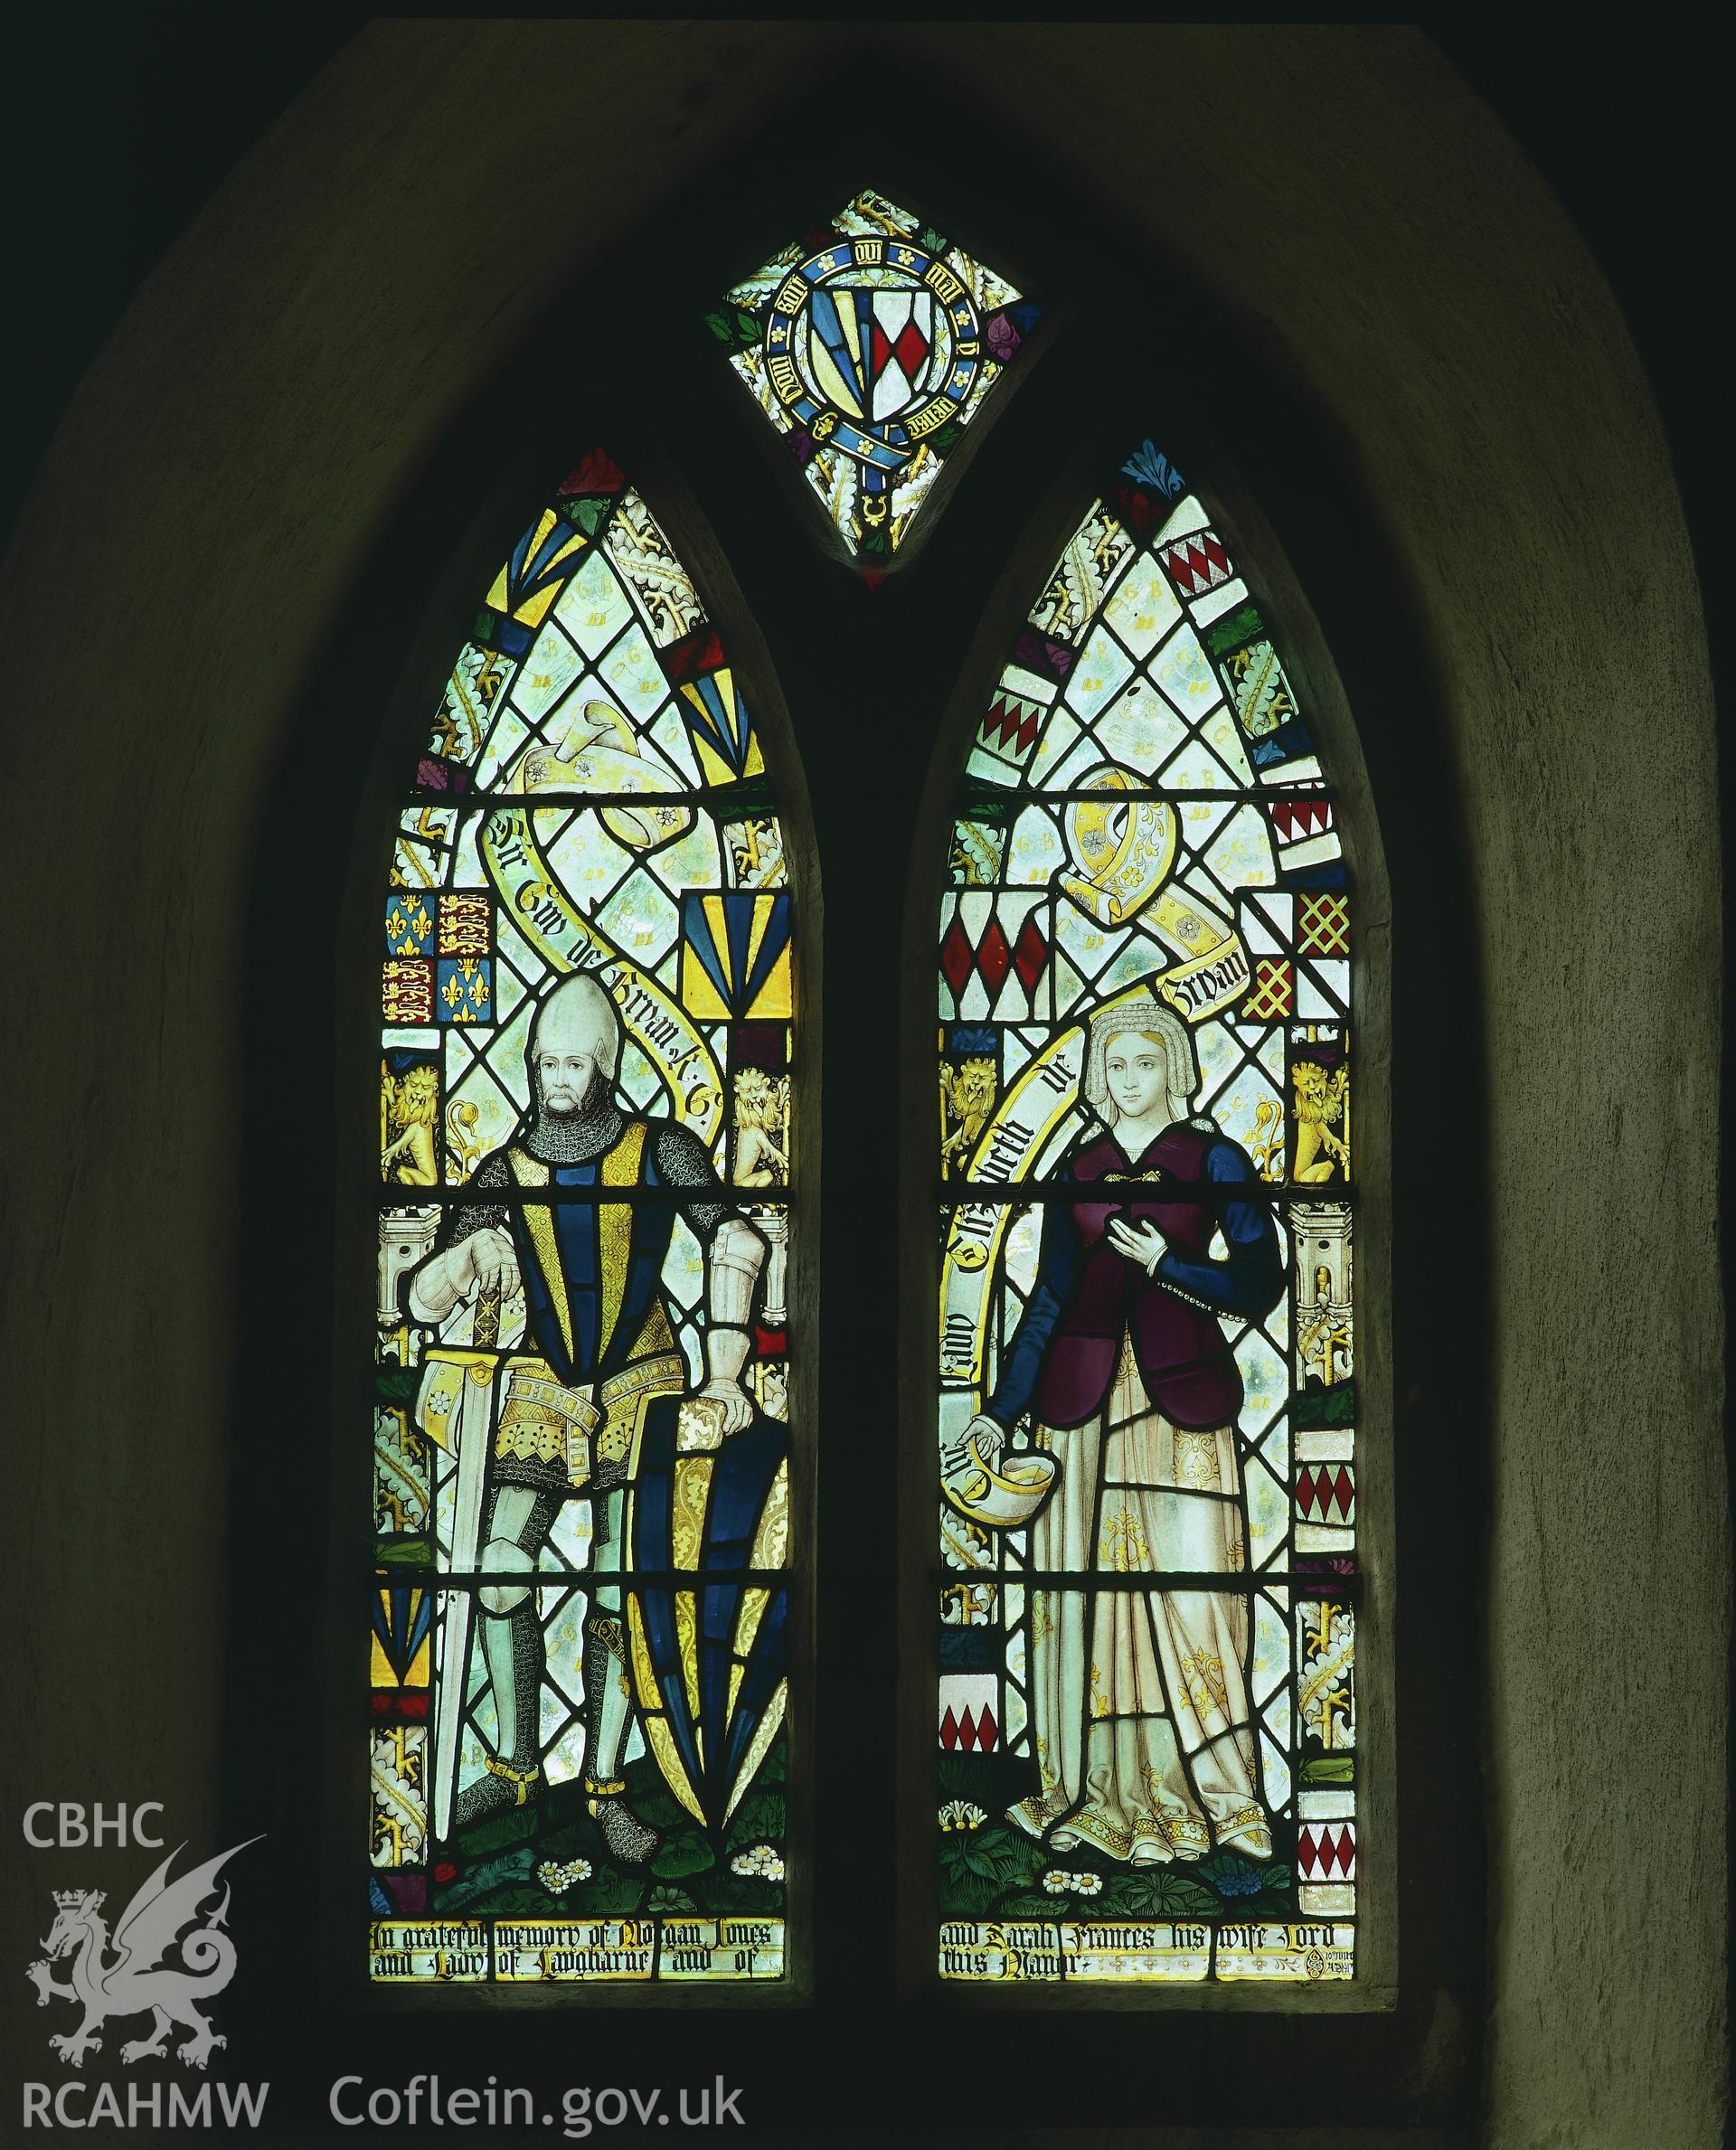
{"x":591,"y":1010}
{"x":1150,"y":1290}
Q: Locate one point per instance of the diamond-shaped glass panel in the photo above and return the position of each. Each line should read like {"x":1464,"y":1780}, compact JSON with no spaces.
{"x":871,"y":344}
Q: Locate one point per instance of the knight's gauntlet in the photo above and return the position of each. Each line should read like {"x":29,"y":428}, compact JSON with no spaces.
{"x":438,"y":1284}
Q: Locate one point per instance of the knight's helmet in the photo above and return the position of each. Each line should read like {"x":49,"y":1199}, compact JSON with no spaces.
{"x":577,"y":1016}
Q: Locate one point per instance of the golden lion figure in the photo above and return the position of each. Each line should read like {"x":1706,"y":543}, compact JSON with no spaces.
{"x":761,"y":1128}
{"x":966,"y":1099}
{"x":408,"y":1109}
{"x":1321,"y":1102}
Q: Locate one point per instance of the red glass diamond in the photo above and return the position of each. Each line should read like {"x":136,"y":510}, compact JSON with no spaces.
{"x":1323,"y":1851}
{"x":910,"y":350}
{"x":1198,"y":563}
{"x":1030,"y":955}
{"x":994,"y":957}
{"x":955,"y":957}
{"x":909,"y":347}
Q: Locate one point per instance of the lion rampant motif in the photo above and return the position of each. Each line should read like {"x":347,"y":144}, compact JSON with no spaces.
{"x":966,"y":1099}
{"x":136,"y":1981}
{"x":761,"y":1124}
{"x":1319,"y":1108}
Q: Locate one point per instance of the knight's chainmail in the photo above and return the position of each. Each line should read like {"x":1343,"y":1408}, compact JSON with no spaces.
{"x":681,"y":1160}
{"x":573,"y":1137}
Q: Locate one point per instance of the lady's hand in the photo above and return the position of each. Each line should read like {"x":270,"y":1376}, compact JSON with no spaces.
{"x":989,"y":1434}
{"x":1142,"y":1243}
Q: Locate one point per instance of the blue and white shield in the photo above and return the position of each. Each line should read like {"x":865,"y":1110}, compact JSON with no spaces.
{"x":707,"y":1605}
{"x":875,"y":351}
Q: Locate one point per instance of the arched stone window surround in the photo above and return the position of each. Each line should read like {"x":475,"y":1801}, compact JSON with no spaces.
{"x":1378,"y":238}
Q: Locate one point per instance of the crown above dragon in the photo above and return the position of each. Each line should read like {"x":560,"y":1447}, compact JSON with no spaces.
{"x":70,"y":1899}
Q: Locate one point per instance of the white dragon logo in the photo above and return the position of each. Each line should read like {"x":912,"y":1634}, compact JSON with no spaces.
{"x":136,"y":1981}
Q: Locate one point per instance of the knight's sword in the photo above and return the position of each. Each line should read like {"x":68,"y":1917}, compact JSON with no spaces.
{"x":473,"y":1431}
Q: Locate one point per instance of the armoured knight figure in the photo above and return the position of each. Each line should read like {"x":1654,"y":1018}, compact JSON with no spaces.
{"x":591,"y":1271}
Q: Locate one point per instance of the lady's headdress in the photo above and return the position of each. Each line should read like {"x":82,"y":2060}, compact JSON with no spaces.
{"x":1152,"y":1019}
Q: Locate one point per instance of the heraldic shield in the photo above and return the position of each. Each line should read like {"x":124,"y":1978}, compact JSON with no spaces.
{"x":709,"y":1657}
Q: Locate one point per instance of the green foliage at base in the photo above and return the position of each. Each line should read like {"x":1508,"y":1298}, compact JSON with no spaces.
{"x":498,"y":1859}
{"x":997,"y":1871}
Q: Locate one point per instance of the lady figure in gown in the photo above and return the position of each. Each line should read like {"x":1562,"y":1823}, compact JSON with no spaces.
{"x":1139,"y":1704}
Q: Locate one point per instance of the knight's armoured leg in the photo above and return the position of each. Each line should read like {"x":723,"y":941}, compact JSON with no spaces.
{"x":513,"y":1648}
{"x":608,"y":1697}
{"x":519,"y":1519}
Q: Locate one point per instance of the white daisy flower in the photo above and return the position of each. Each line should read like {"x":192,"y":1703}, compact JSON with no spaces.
{"x":554,"y":1877}
{"x":1088,"y":1884}
{"x":1057,"y":1882}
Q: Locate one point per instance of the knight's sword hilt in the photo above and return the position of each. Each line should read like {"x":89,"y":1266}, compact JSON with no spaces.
{"x":475,"y":1425}
{"x":486,"y":1329}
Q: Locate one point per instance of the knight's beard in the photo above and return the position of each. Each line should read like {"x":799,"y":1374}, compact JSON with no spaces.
{"x":568,"y":1132}
{"x":572,"y":1107}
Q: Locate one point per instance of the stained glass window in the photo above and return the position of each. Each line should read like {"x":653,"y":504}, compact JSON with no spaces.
{"x":870,"y":345}
{"x":1147,"y":1556}
{"x":580,"y":1497}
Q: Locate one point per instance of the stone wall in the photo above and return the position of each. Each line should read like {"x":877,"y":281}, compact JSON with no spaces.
{"x":235,"y":455}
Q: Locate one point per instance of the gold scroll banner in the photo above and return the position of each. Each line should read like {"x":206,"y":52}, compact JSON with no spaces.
{"x":1047,"y":1088}
{"x":1214,"y":970}
{"x":568,"y":941}
{"x":1122,"y":845}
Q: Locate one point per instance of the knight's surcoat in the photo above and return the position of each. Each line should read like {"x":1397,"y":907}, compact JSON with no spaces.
{"x":592,"y":1271}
